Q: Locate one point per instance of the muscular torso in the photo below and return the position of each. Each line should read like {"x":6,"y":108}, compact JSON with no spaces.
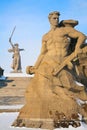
{"x":57,"y":43}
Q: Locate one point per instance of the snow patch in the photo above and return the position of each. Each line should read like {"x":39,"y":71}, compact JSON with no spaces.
{"x":2,"y":78}
{"x":80,"y":102}
{"x":6,"y":120}
{"x":78,"y":83}
{"x":11,"y":106}
{"x":17,"y":75}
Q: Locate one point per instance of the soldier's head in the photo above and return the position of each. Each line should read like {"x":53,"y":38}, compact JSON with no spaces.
{"x":54,"y":18}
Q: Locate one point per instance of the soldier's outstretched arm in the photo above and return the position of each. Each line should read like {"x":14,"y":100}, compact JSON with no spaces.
{"x":21,"y":49}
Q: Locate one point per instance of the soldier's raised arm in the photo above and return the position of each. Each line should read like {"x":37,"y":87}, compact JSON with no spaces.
{"x":79,"y":36}
{"x":11,"y":42}
{"x":11,"y":37}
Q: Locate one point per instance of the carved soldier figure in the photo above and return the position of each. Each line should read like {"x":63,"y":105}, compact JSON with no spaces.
{"x":81,"y":65}
{"x":55,"y":48}
{"x":49,"y":91}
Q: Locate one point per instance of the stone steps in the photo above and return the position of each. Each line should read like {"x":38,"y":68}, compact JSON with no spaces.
{"x":14,"y":90}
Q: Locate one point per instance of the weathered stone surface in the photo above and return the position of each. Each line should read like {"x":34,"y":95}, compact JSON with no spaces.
{"x":52,"y":94}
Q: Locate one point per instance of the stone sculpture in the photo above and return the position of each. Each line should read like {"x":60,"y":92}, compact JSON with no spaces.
{"x":53,"y":99}
{"x":16,"y":65}
{"x":81,"y":66}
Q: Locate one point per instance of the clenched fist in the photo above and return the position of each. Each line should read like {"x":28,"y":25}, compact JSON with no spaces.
{"x":30,"y":70}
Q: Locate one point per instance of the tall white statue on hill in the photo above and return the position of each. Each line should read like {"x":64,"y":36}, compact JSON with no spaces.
{"x":16,"y":64}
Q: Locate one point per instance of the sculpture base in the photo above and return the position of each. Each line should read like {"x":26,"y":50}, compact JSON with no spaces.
{"x":45,"y":123}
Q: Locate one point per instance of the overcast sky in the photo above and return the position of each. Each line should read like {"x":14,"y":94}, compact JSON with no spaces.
{"x":31,"y":20}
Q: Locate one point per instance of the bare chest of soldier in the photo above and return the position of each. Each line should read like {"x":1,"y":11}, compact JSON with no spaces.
{"x":57,"y":38}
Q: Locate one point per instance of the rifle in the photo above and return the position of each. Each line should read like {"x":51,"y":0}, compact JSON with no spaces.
{"x":68,"y":59}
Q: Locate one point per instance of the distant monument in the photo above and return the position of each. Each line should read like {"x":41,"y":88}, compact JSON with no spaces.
{"x":16,"y":65}
{"x":53,"y":98}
